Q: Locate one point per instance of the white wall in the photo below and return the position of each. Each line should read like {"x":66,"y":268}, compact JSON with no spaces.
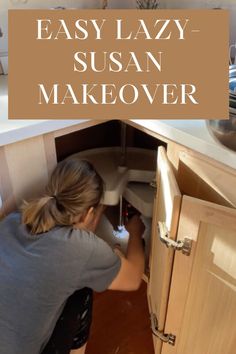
{"x":178,"y":4}
{"x":42,"y":4}
{"x":37,"y":4}
{"x":225,"y":4}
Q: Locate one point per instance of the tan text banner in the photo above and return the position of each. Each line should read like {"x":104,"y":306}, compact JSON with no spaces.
{"x":121,"y":64}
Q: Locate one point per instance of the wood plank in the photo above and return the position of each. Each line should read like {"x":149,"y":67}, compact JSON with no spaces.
{"x":168,"y":193}
{"x":204,"y":178}
{"x":6,"y":191}
{"x":50,"y":152}
{"x":201,"y":176}
{"x":27,"y":167}
{"x":77,"y":127}
{"x":202,"y":304}
{"x":173,"y":151}
{"x":166,"y":209}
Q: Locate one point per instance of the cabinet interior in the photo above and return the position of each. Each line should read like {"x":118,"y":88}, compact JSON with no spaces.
{"x":138,"y":147}
{"x":90,"y":142}
{"x":109,"y":134}
{"x":205,"y":179}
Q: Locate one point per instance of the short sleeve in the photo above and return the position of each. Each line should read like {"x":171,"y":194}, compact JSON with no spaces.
{"x":102,"y":266}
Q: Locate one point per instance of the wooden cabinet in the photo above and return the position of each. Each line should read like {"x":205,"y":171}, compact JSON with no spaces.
{"x":25,"y":166}
{"x":193,"y":297}
{"x":166,"y":209}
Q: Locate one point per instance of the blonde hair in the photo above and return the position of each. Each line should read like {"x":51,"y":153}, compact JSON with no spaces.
{"x":73,"y":188}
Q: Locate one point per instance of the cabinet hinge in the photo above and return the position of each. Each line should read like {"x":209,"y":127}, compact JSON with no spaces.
{"x":184,"y":245}
{"x":153,"y":184}
{"x":166,"y":338}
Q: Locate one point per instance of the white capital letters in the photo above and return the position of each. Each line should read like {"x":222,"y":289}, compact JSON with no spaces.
{"x":53,"y":92}
{"x":160,"y":32}
{"x":180,"y":28}
{"x":45,"y":29}
{"x":98,"y":28}
{"x":80,"y":61}
{"x":63,"y":30}
{"x":119,"y":31}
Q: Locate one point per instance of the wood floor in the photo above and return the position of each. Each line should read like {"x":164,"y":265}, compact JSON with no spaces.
{"x":121,"y":324}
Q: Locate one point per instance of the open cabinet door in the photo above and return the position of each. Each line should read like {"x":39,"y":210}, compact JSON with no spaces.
{"x":166,"y":209}
{"x":202,"y":305}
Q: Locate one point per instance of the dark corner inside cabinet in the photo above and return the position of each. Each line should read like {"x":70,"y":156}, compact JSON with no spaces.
{"x":107,"y":134}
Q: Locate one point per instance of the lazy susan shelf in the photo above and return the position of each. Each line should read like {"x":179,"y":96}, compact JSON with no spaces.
{"x":139,"y":167}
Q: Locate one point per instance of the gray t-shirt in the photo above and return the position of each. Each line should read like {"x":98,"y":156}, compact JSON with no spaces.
{"x":37,"y":275}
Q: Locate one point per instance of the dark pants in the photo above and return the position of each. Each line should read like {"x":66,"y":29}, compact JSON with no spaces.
{"x":72,"y":328}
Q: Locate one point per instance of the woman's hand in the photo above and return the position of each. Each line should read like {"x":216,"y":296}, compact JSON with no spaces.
{"x":135,"y":226}
{"x":132,"y":264}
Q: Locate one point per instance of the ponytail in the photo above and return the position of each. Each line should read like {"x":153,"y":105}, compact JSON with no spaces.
{"x":73,"y":188}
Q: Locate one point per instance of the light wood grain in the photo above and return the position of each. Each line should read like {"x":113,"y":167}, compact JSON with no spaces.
{"x":166,"y":209}
{"x":77,"y":127}
{"x":202,"y":305}
{"x":50,"y":152}
{"x":204,"y":178}
{"x":173,"y":151}
{"x":8,"y":200}
{"x":27,"y":165}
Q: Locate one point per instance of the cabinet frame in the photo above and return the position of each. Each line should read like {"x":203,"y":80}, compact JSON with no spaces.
{"x":193,"y":212}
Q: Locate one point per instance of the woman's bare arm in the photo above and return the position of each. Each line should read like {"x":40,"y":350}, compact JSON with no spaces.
{"x":132,"y":265}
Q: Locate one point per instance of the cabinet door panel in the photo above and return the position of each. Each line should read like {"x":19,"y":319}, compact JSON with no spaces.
{"x":166,"y":209}
{"x":204,"y":178}
{"x":202,"y":304}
